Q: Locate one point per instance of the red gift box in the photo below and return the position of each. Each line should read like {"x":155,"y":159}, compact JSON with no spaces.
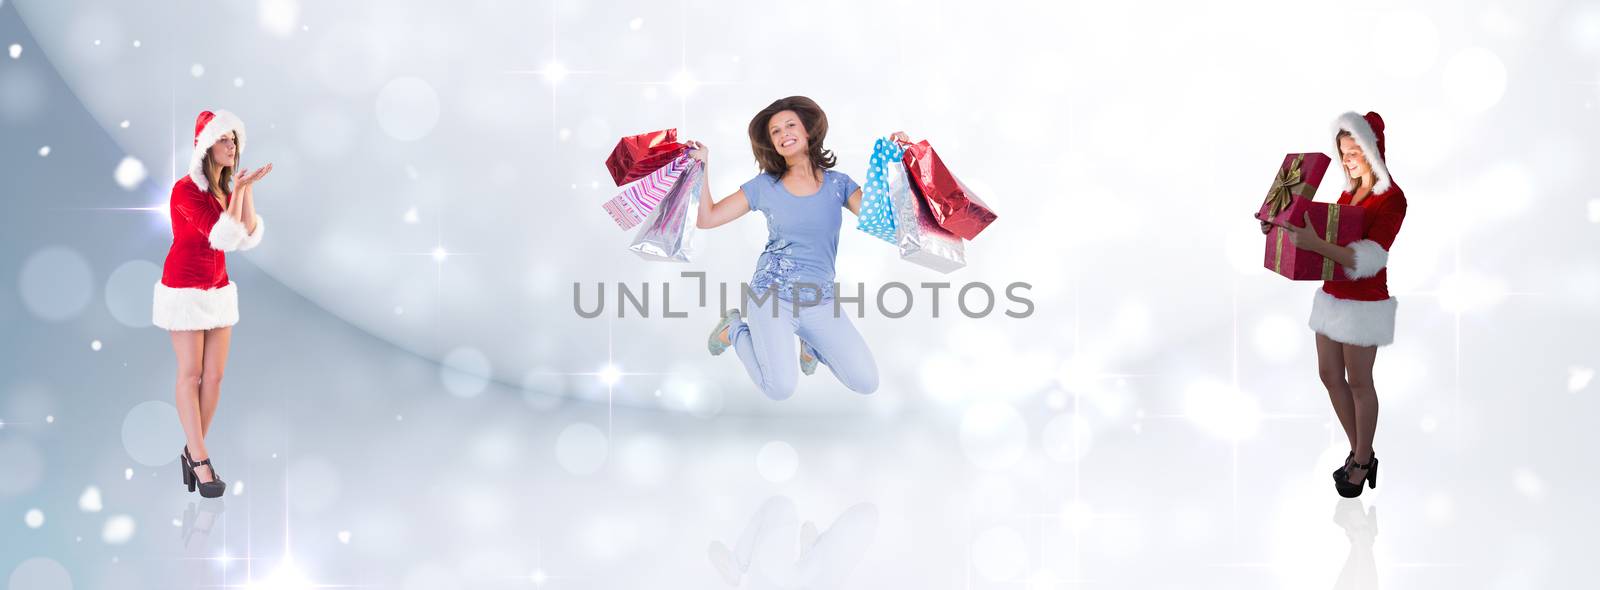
{"x":1339,"y":224}
{"x":637,"y":156}
{"x":1297,"y":177}
{"x":953,"y":205}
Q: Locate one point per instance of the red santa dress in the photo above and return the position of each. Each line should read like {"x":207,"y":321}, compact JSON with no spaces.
{"x":194,"y":292}
{"x":1360,"y":312}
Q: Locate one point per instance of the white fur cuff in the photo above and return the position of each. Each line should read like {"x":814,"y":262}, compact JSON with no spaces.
{"x":254,"y":239}
{"x":226,"y":234}
{"x":1370,"y":258}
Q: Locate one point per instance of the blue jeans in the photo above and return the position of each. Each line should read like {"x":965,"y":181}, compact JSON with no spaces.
{"x":766,"y":345}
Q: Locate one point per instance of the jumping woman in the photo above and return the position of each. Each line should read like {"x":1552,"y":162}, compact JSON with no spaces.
{"x":1353,"y":318}
{"x":792,"y":289}
{"x":213,"y":211}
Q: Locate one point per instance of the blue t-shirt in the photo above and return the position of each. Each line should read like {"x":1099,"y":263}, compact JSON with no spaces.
{"x":802,"y":234}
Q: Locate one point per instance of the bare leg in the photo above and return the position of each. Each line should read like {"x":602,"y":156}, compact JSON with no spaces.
{"x":216,"y":356}
{"x":1331,"y":367}
{"x":1358,"y":363}
{"x":190,"y":348}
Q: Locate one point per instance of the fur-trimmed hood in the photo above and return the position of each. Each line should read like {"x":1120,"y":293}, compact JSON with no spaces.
{"x":1368,"y":133}
{"x":209,"y":127}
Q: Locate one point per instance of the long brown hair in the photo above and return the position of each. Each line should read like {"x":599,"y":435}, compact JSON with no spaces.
{"x":220,"y":178}
{"x":811,"y":117}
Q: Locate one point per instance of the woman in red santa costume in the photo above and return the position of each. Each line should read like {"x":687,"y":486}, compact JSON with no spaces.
{"x":1353,"y":318}
{"x":213,"y":211}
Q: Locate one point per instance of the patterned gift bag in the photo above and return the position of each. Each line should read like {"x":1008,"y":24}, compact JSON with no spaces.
{"x":638,"y":199}
{"x":877,"y":209}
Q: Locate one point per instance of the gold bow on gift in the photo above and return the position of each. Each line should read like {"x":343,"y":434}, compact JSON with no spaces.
{"x":1282,"y":193}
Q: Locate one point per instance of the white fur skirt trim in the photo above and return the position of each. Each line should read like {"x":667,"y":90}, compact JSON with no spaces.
{"x":1357,"y":323}
{"x":180,"y":310}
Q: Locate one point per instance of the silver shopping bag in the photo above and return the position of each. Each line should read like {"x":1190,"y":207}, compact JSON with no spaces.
{"x":921,"y":239}
{"x":668,"y":234}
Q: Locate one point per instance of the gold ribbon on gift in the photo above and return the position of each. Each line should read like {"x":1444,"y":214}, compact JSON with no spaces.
{"x":1331,"y":234}
{"x":1277,"y":242}
{"x":1283,"y":186}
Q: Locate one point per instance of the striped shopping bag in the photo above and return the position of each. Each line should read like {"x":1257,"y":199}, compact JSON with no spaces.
{"x":638,"y":199}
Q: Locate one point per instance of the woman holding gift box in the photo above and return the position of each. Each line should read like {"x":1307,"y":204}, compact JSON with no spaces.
{"x":801,"y":197}
{"x":213,"y":211}
{"x":1352,"y":318}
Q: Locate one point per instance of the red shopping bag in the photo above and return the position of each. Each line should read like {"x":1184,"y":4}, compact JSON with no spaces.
{"x":637,"y":156}
{"x":953,"y":205}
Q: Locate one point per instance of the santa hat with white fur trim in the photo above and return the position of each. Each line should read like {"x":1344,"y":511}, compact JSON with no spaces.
{"x":1367,"y":130}
{"x":209,"y":127}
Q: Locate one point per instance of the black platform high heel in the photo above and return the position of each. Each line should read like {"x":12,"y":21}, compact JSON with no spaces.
{"x":208,"y":489}
{"x":1341,"y":472}
{"x":183,"y":468}
{"x":1352,"y":490}
{"x":188,"y":462}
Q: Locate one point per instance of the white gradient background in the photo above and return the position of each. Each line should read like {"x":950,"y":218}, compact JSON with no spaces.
{"x":402,"y":421}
